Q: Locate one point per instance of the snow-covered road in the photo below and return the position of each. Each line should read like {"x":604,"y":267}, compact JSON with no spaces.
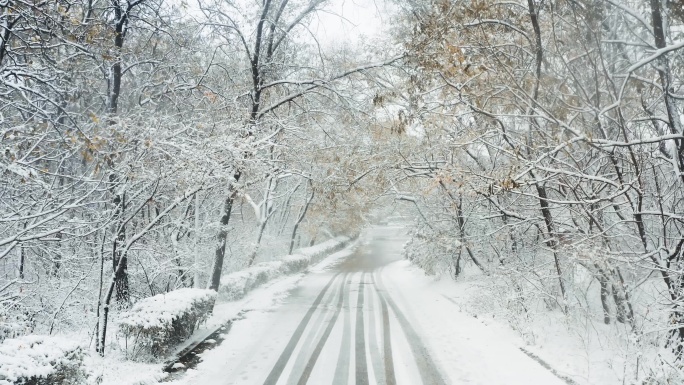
{"x":367,"y":320}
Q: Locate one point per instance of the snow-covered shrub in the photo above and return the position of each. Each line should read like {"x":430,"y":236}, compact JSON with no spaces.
{"x":41,"y":360}
{"x":295,"y":263}
{"x":304,"y":257}
{"x":236,"y":285}
{"x":155,"y":324}
{"x":323,"y":249}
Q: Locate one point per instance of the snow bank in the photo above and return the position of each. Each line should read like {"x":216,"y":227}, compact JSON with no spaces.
{"x":236,"y":285}
{"x":41,"y":360}
{"x":155,"y":324}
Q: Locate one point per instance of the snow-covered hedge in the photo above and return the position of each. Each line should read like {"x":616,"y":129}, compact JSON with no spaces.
{"x":322,"y":250}
{"x":41,"y":360}
{"x":236,"y":285}
{"x":294,"y":263}
{"x":155,"y":324}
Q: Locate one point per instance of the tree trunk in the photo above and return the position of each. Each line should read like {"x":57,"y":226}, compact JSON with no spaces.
{"x":457,"y":262}
{"x":541,"y":191}
{"x":255,"y":250}
{"x":286,"y":210}
{"x":620,"y":308}
{"x":623,"y":295}
{"x":99,"y":344}
{"x":114,"y":90}
{"x":119,"y":268}
{"x":196,"y":276}
{"x":665,"y":74}
{"x":22,"y":260}
{"x":114,"y":85}
{"x":461,"y":227}
{"x":300,"y":219}
{"x":605,"y":293}
{"x":219,"y":256}
{"x":118,"y":258}
{"x":551,"y":240}
{"x":57,"y":260}
{"x":265,"y":214}
{"x":22,"y":256}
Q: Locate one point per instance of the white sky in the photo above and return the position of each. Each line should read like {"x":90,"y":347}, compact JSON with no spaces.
{"x":349,"y":20}
{"x":343,"y":21}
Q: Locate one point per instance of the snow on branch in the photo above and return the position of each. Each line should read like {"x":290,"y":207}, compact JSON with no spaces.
{"x":313,"y":84}
{"x":658,"y":53}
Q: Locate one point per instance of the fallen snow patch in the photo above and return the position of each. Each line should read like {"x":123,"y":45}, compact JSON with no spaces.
{"x":116,"y":370}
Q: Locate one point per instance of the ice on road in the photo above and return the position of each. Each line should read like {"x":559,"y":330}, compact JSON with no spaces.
{"x":366,"y":320}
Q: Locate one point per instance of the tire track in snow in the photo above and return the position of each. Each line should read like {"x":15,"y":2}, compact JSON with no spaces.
{"x":360,"y":343}
{"x":277,"y":370}
{"x":342,"y":368}
{"x":429,"y":373}
{"x":373,"y":345}
{"x":386,"y":339}
{"x":313,"y":335}
{"x":324,"y":338}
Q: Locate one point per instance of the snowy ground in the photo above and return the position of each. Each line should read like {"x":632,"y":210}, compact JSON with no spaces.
{"x":371,"y":319}
{"x":580,"y":351}
{"x":471,"y":350}
{"x":116,"y":370}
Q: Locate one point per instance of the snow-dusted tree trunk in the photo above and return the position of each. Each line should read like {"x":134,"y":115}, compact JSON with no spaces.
{"x":301,"y":217}
{"x":220,"y":251}
{"x":196,"y":249}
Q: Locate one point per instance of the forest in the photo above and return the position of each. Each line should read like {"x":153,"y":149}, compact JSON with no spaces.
{"x":148,"y":146}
